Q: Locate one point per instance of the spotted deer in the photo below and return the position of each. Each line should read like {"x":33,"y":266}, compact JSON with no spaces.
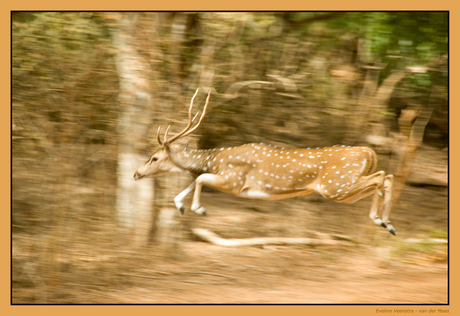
{"x":260,"y":171}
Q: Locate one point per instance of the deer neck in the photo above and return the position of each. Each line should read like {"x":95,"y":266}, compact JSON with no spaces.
{"x":193,"y":161}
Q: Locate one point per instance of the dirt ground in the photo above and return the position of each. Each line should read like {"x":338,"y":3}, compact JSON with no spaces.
{"x":381,"y":269}
{"x":378,"y":269}
{"x":286,"y":275}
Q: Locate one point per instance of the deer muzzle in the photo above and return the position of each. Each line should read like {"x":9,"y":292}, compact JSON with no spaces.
{"x":138,"y":176}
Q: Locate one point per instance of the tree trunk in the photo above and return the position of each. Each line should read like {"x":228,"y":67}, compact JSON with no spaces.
{"x":134,"y":199}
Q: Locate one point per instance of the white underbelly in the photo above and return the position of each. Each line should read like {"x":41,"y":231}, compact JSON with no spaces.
{"x":262,"y":195}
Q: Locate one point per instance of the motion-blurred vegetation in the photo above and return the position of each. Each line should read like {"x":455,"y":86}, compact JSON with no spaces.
{"x":91,"y":88}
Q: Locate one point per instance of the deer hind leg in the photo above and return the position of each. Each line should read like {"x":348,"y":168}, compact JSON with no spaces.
{"x":382,"y":186}
{"x":180,"y":197}
{"x":388,"y":202}
{"x":385,"y":192}
{"x":376,"y":201}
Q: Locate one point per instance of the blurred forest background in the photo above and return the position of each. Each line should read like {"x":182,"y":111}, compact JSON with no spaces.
{"x":89,"y":90}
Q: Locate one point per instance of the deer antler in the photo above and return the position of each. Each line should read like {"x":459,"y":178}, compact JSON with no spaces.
{"x":186,"y":131}
{"x":158,"y":136}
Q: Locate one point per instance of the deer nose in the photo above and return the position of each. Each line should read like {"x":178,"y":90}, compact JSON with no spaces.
{"x":137,"y":176}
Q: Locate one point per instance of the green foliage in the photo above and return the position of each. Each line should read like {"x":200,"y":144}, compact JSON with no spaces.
{"x":415,"y":35}
{"x":419,"y":35}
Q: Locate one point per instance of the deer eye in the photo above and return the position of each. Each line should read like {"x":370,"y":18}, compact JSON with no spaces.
{"x":155,"y":158}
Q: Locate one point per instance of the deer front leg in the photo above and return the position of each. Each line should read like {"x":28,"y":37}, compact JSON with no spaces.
{"x":178,"y":199}
{"x":209,"y":179}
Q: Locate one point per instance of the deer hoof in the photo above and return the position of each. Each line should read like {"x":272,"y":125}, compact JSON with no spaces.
{"x":182,"y":209}
{"x":378,"y":221}
{"x":201,"y":210}
{"x":391,"y":229}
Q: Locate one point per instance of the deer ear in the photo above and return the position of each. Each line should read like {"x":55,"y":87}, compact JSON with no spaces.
{"x":180,"y":144}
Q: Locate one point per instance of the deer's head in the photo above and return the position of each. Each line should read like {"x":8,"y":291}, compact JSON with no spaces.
{"x":164,"y":159}
{"x":161,"y":161}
